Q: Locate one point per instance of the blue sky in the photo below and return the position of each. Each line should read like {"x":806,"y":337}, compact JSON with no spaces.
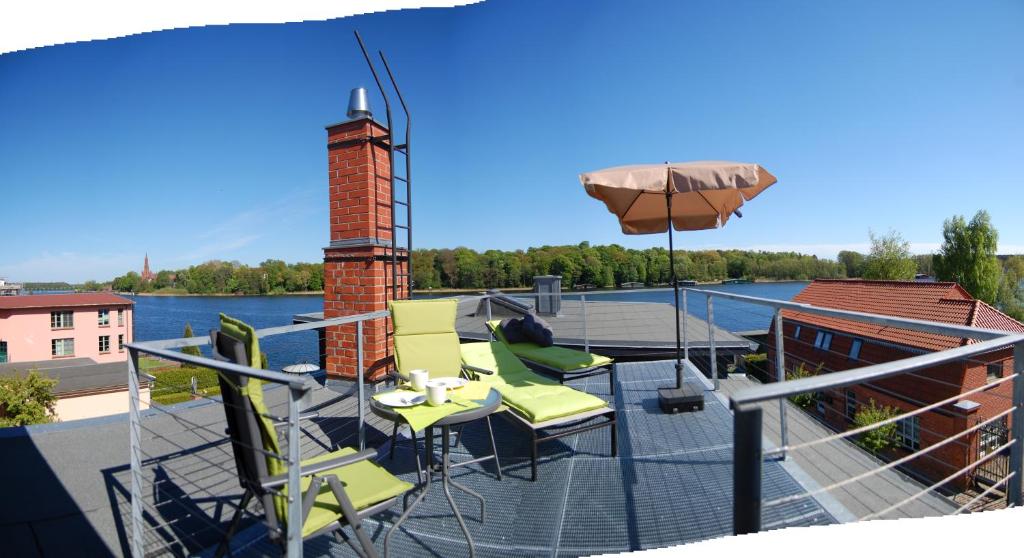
{"x":208,"y":142}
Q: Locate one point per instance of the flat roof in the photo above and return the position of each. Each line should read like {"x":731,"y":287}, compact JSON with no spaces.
{"x":73,"y":374}
{"x":63,"y":300}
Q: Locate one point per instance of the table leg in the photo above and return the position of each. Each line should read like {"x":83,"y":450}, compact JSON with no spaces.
{"x":448,"y":493}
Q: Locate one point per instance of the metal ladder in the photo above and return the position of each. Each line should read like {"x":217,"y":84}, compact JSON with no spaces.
{"x":402,"y":149}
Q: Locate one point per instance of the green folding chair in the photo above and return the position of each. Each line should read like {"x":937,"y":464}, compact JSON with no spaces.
{"x":339,"y":488}
{"x":425,"y":339}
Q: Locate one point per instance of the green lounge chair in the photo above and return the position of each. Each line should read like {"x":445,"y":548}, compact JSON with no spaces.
{"x":562,"y":363}
{"x":338,"y":488}
{"x":541,"y":405}
{"x":425,"y":338}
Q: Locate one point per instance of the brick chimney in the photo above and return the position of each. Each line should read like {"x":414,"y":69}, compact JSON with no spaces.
{"x":357,"y":264}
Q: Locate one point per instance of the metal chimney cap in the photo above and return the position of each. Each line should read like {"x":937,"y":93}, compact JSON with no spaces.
{"x":359,"y":104}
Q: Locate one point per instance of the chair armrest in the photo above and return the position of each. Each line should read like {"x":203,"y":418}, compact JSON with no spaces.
{"x":478,"y":370}
{"x":312,"y":469}
{"x":302,"y":416}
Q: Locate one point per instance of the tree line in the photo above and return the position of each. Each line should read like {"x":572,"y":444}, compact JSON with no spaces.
{"x":606,"y":266}
{"x":220,"y":277}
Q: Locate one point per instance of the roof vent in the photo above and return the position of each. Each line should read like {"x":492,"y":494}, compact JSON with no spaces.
{"x":358,"y":104}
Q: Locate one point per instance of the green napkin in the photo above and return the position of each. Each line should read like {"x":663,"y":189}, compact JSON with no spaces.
{"x":423,"y":415}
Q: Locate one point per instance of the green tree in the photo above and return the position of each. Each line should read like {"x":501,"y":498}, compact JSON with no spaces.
{"x":26,"y":400}
{"x":194,"y":351}
{"x":1010,"y":298}
{"x":853,"y":262}
{"x":889,"y":258}
{"x":882,"y":437}
{"x":968,"y":255}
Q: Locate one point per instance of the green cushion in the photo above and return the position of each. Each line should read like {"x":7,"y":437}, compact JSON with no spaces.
{"x":542,"y":402}
{"x":533,"y":396}
{"x":437,"y":353}
{"x":425,"y":336}
{"x":415,"y":317}
{"x":559,"y":358}
{"x":365,"y":482}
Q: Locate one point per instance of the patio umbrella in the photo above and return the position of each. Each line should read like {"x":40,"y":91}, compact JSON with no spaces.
{"x":689,"y":196}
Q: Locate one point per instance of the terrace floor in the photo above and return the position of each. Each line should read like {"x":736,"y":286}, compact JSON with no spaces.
{"x":671,"y":484}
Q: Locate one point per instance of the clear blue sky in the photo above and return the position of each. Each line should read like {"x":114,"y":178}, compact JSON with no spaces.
{"x":209,"y":143}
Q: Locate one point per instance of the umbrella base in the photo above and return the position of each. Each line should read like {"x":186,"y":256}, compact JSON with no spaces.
{"x":681,"y":400}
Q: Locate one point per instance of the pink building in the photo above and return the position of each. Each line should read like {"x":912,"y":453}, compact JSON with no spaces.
{"x":37,"y":328}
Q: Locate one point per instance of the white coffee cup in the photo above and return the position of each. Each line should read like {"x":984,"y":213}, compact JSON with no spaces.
{"x":418,"y":379}
{"x":437,"y":393}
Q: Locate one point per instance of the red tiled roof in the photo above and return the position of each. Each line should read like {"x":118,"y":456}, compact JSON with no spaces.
{"x":939,"y":302}
{"x":62,"y":300}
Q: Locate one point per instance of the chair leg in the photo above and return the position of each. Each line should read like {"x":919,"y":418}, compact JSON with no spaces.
{"x":494,"y":447}
{"x":394,"y":441}
{"x":611,"y":381}
{"x":416,"y":452}
{"x":225,"y":545}
{"x":349,"y":512}
{"x":533,"y":457}
{"x":458,"y":437}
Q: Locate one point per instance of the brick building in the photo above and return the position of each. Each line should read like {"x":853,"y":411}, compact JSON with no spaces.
{"x":833,"y":344}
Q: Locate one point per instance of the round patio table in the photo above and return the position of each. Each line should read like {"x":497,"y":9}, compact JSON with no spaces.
{"x":487,"y":406}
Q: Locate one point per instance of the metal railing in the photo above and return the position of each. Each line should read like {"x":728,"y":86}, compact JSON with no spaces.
{"x":748,"y":422}
{"x":297,"y":388}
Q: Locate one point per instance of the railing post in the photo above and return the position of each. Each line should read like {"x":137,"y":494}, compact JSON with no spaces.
{"x":711,"y":343}
{"x":746,"y":467}
{"x":294,"y":466}
{"x":135,"y":451}
{"x":360,"y":411}
{"x":490,"y":334}
{"x":686,"y":342}
{"x":1014,"y":496}
{"x":780,"y":376}
{"x":586,"y":336}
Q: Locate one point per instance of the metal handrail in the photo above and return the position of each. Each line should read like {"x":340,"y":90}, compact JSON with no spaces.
{"x":867,"y":373}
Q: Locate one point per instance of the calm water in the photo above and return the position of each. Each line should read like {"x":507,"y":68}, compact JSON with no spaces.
{"x":164,"y":317}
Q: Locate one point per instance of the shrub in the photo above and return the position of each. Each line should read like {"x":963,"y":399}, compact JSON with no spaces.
{"x":27,"y":400}
{"x":881,"y":438}
{"x":807,"y":399}
{"x":175,"y":385}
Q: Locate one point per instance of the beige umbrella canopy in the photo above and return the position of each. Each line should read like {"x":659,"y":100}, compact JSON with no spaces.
{"x":695,"y":196}
{"x":704,"y":193}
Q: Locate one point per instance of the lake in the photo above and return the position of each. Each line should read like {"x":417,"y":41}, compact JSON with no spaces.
{"x":164,"y":317}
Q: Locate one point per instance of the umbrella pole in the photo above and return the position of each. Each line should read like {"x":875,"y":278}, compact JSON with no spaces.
{"x":675,"y":291}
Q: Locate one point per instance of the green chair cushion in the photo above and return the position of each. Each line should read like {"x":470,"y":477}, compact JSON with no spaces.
{"x":508,"y":368}
{"x":559,"y":358}
{"x":436,"y":352}
{"x":415,"y":317}
{"x":543,"y":402}
{"x":365,"y":482}
{"x":533,"y":396}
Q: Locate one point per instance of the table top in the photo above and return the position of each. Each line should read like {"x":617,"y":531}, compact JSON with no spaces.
{"x":487,"y":406}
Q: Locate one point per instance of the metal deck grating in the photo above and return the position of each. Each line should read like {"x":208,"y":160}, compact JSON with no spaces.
{"x":671,"y":484}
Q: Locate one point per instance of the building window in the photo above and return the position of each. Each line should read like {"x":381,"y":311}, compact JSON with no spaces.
{"x":851,"y":404}
{"x":3,"y":352}
{"x":823,"y":340}
{"x":62,"y":319}
{"x":120,"y":316}
{"x":120,"y":342}
{"x":994,"y":371}
{"x":104,"y":317}
{"x":796,"y":333}
{"x":909,"y":432}
{"x":819,"y":404}
{"x":855,"y":349}
{"x":104,"y":343}
{"x":62,"y":347}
